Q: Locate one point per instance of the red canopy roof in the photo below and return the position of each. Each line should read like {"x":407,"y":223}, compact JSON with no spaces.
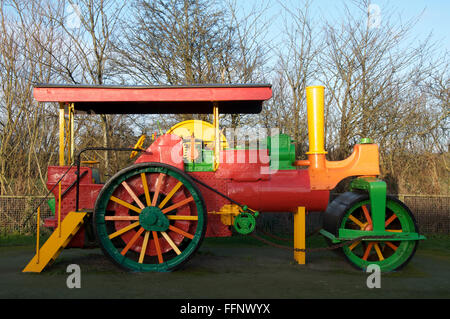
{"x":232,"y":99}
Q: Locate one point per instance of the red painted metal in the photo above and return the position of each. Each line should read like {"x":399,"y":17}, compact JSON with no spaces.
{"x":243,"y":175}
{"x":72,"y":94}
{"x":167,"y":149}
{"x":88,"y":190}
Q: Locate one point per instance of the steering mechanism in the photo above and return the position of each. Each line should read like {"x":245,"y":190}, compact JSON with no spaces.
{"x":138,"y":145}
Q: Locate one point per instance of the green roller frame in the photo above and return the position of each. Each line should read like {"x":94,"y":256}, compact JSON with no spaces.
{"x":389,"y":229}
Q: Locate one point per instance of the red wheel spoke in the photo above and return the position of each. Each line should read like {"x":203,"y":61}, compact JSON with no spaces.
{"x":157,"y":247}
{"x":181,"y":232}
{"x":391,"y":245}
{"x":132,"y":241}
{"x":367,"y":214}
{"x":158,"y":185}
{"x":390,"y":220}
{"x":367,"y":252}
{"x":179,"y":204}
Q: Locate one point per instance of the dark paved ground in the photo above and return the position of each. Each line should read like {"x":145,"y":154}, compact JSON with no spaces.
{"x":228,"y":268}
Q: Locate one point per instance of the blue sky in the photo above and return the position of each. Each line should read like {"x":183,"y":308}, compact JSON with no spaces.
{"x":434,"y":14}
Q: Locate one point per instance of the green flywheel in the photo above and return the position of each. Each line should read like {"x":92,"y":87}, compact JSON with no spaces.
{"x":244,"y":223}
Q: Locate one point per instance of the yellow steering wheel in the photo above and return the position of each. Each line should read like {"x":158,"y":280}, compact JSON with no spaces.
{"x":138,"y":145}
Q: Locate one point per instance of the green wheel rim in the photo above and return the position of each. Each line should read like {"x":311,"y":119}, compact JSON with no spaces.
{"x":186,"y":248}
{"x":389,"y":255}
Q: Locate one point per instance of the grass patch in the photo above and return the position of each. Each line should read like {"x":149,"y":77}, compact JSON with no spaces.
{"x":8,"y":240}
{"x":438,"y":242}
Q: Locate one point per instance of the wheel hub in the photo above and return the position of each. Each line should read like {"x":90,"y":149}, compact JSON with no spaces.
{"x":152,"y":219}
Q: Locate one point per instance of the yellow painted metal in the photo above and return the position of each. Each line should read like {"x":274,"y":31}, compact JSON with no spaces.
{"x":144,"y":247}
{"x":61,"y":135}
{"x":356,"y":243}
{"x":171,"y":193}
{"x":377,"y":249}
{"x":55,"y":243}
{"x":299,"y":235}
{"x":90,"y":162}
{"x":181,"y":217}
{"x":356,"y":221}
{"x":38,"y":222}
{"x":200,"y":129}
{"x":171,"y":243}
{"x":315,"y":107}
{"x":227,"y":213}
{"x":59,"y":209}
{"x":71,"y":133}
{"x":216,"y":136}
{"x":146,"y":192}
{"x":125,"y":204}
{"x":138,"y":145}
{"x":123,"y":230}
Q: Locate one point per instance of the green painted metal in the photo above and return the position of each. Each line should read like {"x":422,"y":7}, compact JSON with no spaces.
{"x":152,"y":218}
{"x":205,"y":162}
{"x":348,"y":234}
{"x":51,"y":204}
{"x":377,"y":193}
{"x":366,"y":140}
{"x":102,"y":231}
{"x":281,"y":151}
{"x":406,"y":247}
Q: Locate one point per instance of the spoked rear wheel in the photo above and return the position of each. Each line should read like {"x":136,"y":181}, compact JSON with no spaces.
{"x":352,"y":211}
{"x":150,"y":217}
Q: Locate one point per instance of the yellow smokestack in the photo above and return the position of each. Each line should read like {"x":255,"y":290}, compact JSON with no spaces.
{"x":315,"y":108}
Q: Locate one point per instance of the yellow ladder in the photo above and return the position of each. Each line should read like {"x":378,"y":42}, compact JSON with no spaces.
{"x":56,"y":242}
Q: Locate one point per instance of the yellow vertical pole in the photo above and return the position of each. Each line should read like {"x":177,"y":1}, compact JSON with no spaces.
{"x":70,"y":135}
{"x":59,"y":208}
{"x":61,"y":134}
{"x":299,"y":235}
{"x":216,"y":134}
{"x":37,"y":233}
{"x":315,"y":108}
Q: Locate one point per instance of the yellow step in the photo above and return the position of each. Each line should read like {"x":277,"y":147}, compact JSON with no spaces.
{"x":56,"y":242}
